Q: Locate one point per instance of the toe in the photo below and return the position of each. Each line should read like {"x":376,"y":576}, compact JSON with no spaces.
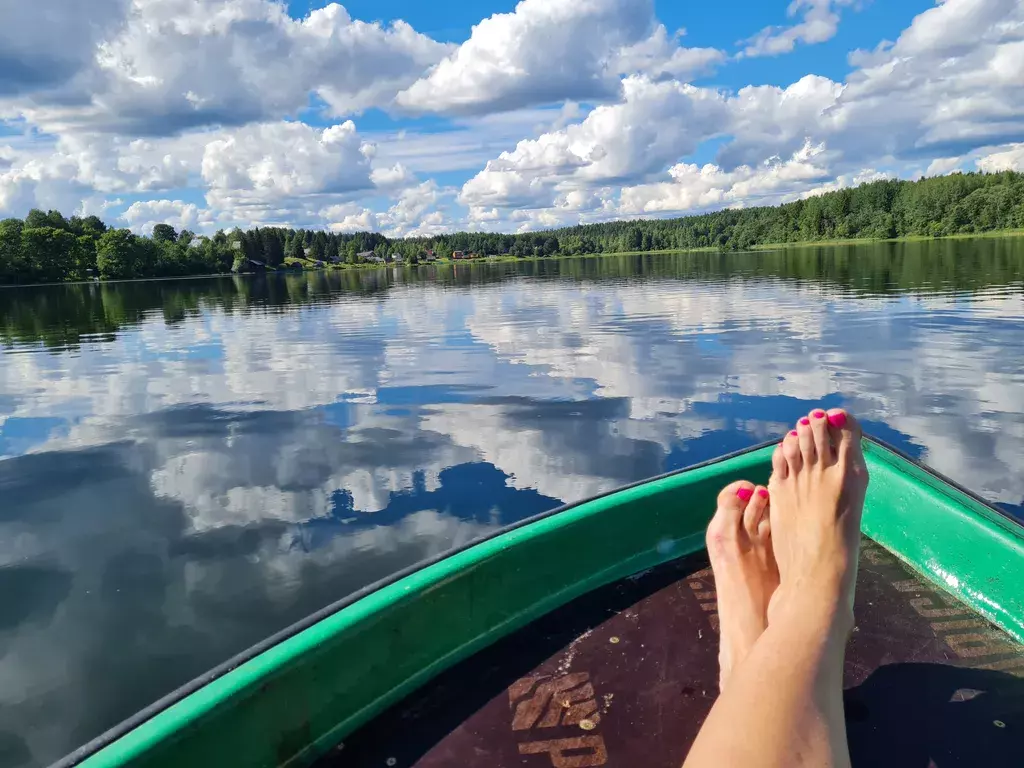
{"x":728,"y":519}
{"x":755,"y":510}
{"x":780,"y":469}
{"x":791,"y":451}
{"x":805,"y":438}
{"x":844,"y":431}
{"x":822,"y":440}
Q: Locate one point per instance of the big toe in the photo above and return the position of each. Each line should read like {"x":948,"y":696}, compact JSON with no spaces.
{"x":728,"y":519}
{"x":844,"y":430}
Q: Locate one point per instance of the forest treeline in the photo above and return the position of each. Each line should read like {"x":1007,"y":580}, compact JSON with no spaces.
{"x":63,"y":317}
{"x":47,"y":247}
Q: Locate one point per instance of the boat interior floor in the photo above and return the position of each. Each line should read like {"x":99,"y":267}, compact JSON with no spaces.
{"x":625,"y":676}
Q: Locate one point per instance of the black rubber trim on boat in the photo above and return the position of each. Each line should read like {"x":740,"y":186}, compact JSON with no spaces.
{"x":154,"y":709}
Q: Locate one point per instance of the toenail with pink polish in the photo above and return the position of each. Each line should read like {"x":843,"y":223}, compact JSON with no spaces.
{"x":805,"y":421}
{"x":819,"y":414}
{"x":794,"y":433}
{"x":763,"y":493}
{"x":837,"y":420}
{"x":745,"y":494}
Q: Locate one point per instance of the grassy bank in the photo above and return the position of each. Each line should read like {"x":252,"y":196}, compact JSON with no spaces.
{"x":875,"y":241}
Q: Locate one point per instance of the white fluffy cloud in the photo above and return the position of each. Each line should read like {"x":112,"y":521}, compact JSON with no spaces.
{"x":417,"y":212}
{"x":947,"y":86}
{"x":819,"y":23}
{"x":768,"y":120}
{"x":260,"y":171}
{"x":662,"y":56}
{"x":694,"y":188}
{"x":158,"y":96}
{"x":68,"y":172}
{"x":656,"y":123}
{"x":143,"y":216}
{"x":950,"y":82}
{"x":551,"y":50}
{"x":177,"y":64}
{"x":1010,"y":158}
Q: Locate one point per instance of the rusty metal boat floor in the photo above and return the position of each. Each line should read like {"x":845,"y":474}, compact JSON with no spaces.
{"x":626,"y":675}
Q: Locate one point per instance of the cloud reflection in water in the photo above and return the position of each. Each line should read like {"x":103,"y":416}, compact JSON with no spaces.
{"x":192,"y":466}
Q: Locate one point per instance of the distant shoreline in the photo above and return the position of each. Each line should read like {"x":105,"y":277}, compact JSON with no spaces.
{"x":762,"y":247}
{"x":753,"y":249}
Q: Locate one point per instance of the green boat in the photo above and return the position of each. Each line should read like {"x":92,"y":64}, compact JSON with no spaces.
{"x":586,"y":636}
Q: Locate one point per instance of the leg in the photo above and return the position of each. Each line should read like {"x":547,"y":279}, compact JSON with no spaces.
{"x":746,"y":575}
{"x":783,"y":705}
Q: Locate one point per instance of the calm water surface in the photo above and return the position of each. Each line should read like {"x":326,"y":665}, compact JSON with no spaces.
{"x":190,"y":466}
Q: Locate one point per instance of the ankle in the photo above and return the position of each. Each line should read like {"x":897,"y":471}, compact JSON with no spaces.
{"x":817,"y":606}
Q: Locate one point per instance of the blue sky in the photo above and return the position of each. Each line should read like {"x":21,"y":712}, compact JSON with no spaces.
{"x":416,"y":118}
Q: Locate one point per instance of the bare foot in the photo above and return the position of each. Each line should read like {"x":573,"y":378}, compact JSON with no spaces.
{"x":746,"y":576}
{"x":817,"y":487}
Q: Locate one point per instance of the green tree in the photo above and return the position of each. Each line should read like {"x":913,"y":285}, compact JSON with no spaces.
{"x":331,"y":253}
{"x":84,"y":257}
{"x":164,"y":233}
{"x":292,"y":245}
{"x":273,"y":248}
{"x":12,"y":261}
{"x":316,"y":250}
{"x":92,"y":224}
{"x":151,"y":256}
{"x":49,"y":253}
{"x":117,"y":254}
{"x":37,"y":219}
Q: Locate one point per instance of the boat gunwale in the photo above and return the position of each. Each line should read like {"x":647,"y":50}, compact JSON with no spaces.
{"x":181,"y":693}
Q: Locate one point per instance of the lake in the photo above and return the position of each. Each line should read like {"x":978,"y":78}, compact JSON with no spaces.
{"x":189,"y":466}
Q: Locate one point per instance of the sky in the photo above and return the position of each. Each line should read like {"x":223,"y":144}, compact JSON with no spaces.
{"x":413,"y":118}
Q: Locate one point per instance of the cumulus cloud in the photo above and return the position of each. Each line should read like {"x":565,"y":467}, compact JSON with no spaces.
{"x":657,"y":123}
{"x":943,"y":165}
{"x":545,"y":50}
{"x":694,"y":188}
{"x":178,"y":94}
{"x":143,"y":216}
{"x":45,"y":44}
{"x":66,"y":173}
{"x":769,"y":120}
{"x":394,"y":177}
{"x":948,"y":85}
{"x":819,"y":23}
{"x":552,"y":50}
{"x":1010,"y":158}
{"x":419,"y":211}
{"x":31,"y":183}
{"x":261,"y":172}
{"x":661,"y":56}
{"x":941,"y":93}
{"x":178,"y":64}
{"x":845,"y":181}
{"x":258,"y":171}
